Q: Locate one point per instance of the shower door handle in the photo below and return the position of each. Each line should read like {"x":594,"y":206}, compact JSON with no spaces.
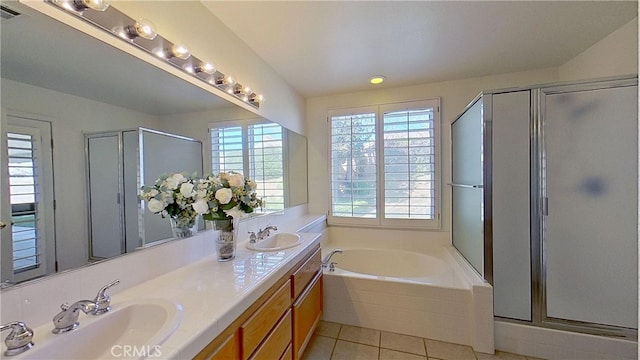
{"x":468,"y":186}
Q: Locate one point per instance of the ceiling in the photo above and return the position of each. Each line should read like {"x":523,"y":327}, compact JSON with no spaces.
{"x":330,"y":47}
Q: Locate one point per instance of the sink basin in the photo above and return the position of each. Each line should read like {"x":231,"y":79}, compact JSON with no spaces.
{"x":275,"y":242}
{"x":133,"y":330}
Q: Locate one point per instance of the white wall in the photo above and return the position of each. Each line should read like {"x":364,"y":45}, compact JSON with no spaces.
{"x":616,"y":54}
{"x":70,"y":116}
{"x":454,"y":95}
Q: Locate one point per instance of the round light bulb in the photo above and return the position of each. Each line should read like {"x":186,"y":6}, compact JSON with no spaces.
{"x":180,"y":51}
{"x":229,"y":81}
{"x":247,"y":90}
{"x":145,"y":29}
{"x":207,"y":68}
{"x":99,"y":5}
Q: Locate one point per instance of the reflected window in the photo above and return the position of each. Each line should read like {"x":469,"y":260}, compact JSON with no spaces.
{"x":255,"y":150}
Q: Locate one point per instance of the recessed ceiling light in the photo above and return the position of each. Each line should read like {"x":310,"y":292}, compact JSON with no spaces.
{"x":378,"y":79}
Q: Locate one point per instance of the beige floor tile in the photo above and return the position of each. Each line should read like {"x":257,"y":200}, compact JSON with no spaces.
{"x":386,"y":354}
{"x":319,"y":348}
{"x":448,"y":351}
{"x":345,"y":350}
{"x":404,"y":343}
{"x":328,"y":329}
{"x":360,"y":335}
{"x":500,"y":355}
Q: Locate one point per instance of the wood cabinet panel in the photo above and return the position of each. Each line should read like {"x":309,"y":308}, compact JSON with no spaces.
{"x":288,"y":354}
{"x":254,"y":330}
{"x":277,"y":342}
{"x":227,"y":349}
{"x":307,"y":311}
{"x":305,"y":273}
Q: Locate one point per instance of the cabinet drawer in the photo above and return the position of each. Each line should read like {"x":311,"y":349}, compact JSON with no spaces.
{"x":277,"y":342}
{"x":288,"y":354}
{"x":306,"y":315}
{"x":305,"y":273}
{"x":262,"y":321}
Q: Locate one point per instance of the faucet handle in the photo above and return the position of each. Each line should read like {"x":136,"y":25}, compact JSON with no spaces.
{"x":103,"y":300}
{"x":252,"y":237}
{"x":19,"y":339}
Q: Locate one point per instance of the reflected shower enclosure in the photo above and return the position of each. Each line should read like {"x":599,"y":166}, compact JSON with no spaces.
{"x":118,"y":163}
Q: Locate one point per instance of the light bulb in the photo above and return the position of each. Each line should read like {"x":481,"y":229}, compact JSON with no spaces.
{"x":145,"y":29}
{"x":180,"y":51}
{"x":207,"y":68}
{"x":229,"y":81}
{"x":247,"y":90}
{"x":99,"y":5}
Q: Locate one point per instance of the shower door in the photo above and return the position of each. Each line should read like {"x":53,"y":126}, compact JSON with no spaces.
{"x":589,"y":181}
{"x":469,"y":206}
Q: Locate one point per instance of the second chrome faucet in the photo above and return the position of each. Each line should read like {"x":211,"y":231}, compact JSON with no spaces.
{"x":67,"y":319}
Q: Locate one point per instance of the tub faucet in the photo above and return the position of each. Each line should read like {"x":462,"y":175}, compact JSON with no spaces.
{"x":19,"y":339}
{"x":103,"y":300}
{"x":325,"y":261}
{"x":67,"y":319}
{"x":264,"y":233}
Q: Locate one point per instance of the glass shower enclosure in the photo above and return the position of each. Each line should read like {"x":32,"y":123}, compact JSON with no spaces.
{"x":545,"y":203}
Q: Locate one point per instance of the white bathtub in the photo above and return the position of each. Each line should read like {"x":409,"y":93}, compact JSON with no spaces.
{"x":427,"y":293}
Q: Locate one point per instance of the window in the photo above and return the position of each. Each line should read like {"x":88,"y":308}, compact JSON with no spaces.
{"x":255,"y":150}
{"x":384,"y":168}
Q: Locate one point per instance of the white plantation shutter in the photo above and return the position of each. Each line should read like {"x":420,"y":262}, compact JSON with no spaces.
{"x":384,"y":165}
{"x":409,"y":164}
{"x":255,"y":150}
{"x":23,"y":189}
{"x":227,"y":149}
{"x":353,"y":165}
{"x":266,"y":163}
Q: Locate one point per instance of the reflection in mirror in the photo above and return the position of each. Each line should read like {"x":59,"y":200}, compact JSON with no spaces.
{"x":48,"y":89}
{"x":113,"y":161}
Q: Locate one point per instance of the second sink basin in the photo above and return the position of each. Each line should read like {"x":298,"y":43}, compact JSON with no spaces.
{"x":275,"y":242}
{"x":131,"y":330}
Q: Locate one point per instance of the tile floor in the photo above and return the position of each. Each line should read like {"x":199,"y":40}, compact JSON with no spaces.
{"x":333,"y":341}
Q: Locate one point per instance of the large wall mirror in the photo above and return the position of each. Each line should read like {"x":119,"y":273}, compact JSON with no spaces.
{"x":60,"y":87}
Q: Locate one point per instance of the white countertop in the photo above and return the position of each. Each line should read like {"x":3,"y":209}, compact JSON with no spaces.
{"x":212,"y":294}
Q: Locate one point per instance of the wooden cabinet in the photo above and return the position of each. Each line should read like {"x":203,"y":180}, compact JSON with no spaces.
{"x":307,"y":311}
{"x":254,"y":330}
{"x":280,"y":323}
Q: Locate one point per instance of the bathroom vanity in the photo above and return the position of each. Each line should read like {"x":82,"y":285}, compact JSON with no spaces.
{"x":281,"y":322}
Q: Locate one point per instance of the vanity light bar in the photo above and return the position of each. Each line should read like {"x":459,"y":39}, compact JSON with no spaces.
{"x":142,"y":34}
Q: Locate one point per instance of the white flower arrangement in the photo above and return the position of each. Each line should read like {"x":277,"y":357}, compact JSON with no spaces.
{"x":226,"y":196}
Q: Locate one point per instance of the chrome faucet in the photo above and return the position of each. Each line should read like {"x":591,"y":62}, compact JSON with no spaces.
{"x":325,"y":261}
{"x":264,"y":233}
{"x":67,"y":319}
{"x":103,"y":300}
{"x":19,"y":339}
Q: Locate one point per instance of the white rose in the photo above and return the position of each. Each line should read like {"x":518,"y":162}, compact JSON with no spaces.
{"x":200,"y":206}
{"x":252,"y":184}
{"x":236,"y":180}
{"x":224,"y":195}
{"x":186,"y":189}
{"x":174,"y":180}
{"x":155,"y":206}
{"x":235,"y":213}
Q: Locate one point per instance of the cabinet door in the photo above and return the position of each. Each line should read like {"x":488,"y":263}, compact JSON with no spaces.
{"x":256,"y":328}
{"x":306,"y":315}
{"x":227,"y":350}
{"x":276,"y":344}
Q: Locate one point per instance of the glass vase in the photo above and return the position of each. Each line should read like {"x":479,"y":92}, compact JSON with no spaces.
{"x":184,"y":227}
{"x":225,"y":240}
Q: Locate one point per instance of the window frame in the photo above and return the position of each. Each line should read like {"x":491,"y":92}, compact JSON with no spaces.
{"x":380,"y":221}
